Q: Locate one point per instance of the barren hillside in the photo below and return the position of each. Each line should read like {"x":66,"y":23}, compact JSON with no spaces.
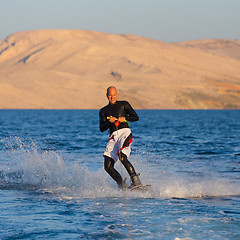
{"x":71,"y":69}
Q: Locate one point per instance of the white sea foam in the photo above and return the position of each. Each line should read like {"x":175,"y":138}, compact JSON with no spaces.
{"x":49,"y":172}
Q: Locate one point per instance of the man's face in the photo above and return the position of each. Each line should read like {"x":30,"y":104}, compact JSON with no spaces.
{"x":112,"y":95}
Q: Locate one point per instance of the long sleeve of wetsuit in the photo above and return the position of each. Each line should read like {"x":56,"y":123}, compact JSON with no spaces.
{"x":131,"y":115}
{"x":104,"y":124}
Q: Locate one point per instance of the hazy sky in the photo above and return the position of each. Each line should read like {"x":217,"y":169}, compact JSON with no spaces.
{"x":165,"y":20}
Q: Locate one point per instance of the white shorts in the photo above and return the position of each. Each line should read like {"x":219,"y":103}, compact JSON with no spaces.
{"x":119,"y":141}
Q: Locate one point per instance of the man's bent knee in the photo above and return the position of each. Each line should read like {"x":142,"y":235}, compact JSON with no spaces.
{"x":130,"y":169}
{"x":123,"y":157}
{"x":108,"y":163}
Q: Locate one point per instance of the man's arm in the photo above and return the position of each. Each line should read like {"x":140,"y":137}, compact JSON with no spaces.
{"x":104,"y":124}
{"x":131,"y":114}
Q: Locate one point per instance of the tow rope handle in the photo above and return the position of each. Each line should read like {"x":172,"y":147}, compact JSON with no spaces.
{"x":116,"y":123}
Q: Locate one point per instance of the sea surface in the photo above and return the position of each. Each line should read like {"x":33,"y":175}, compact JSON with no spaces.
{"x":53,"y":184}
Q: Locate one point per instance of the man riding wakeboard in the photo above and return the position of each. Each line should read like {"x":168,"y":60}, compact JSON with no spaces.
{"x":114,"y":117}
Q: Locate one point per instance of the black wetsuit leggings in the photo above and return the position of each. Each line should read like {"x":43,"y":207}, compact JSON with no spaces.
{"x":109,"y":167}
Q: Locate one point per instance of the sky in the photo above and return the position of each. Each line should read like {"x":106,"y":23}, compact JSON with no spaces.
{"x":164,"y":20}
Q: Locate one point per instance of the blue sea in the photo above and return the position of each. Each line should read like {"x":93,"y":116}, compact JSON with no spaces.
{"x":53,"y":184}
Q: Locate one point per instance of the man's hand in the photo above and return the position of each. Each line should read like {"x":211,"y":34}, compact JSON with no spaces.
{"x":112,"y":119}
{"x":121,"y":119}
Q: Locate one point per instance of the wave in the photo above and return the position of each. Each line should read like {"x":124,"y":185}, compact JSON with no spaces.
{"x":48,"y":173}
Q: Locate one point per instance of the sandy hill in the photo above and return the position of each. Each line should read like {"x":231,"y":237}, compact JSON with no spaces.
{"x":71,"y":69}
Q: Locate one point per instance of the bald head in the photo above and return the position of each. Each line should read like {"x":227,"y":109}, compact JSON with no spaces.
{"x":111,"y":88}
{"x":112,"y":94}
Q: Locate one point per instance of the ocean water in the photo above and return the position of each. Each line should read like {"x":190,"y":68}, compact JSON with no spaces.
{"x":53,"y":185}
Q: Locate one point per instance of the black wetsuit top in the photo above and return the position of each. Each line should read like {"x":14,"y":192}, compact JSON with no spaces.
{"x":118,"y":109}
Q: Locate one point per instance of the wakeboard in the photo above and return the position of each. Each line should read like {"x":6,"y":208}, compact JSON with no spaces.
{"x":141,"y":188}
